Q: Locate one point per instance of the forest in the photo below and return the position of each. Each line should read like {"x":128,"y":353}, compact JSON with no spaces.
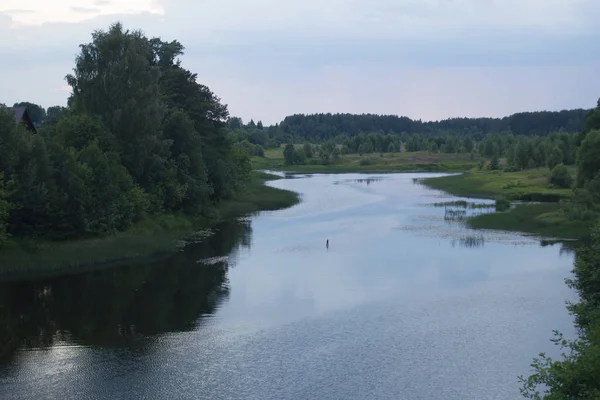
{"x":318,"y":128}
{"x":139,"y":137}
{"x":553,"y":140}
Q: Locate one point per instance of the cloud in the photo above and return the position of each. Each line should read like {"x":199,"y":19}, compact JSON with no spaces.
{"x":393,"y":18}
{"x":18,"y":11}
{"x":428,"y":93}
{"x":268,"y":58}
{"x":42,"y":11}
{"x":85,"y":10}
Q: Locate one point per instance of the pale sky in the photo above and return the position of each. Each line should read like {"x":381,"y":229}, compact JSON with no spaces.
{"x":427,"y":59}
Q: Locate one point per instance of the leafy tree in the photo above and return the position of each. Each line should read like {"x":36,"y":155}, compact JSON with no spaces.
{"x":54,"y":114}
{"x":556,"y":157}
{"x":235,"y":123}
{"x":128,"y":101}
{"x":139,"y":136}
{"x":308,"y":150}
{"x":575,"y":376}
{"x":36,"y":112}
{"x":588,"y":162}
{"x":468,"y":144}
{"x":494,"y":163}
{"x":299,"y":157}
{"x":288,"y":154}
{"x":335,"y":155}
{"x":5,"y":208}
{"x":560,"y":177}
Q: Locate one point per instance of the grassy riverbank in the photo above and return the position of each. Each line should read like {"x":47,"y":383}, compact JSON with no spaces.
{"x":151,"y":238}
{"x":544,"y":219}
{"x":371,"y":163}
{"x":528,"y":185}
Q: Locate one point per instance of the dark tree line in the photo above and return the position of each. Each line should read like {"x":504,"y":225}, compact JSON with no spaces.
{"x":517,"y":137}
{"x":140,"y":136}
{"x":326,"y":126}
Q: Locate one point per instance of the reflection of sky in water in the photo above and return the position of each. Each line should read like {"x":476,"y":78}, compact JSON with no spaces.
{"x":385,"y":241}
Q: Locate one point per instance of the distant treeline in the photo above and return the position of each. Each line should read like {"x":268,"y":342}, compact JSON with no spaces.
{"x":325,"y":126}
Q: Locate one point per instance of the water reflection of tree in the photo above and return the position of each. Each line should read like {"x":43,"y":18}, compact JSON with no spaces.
{"x":566,"y":247}
{"x":115,"y":306}
{"x":368,"y":181}
{"x":469,"y":241}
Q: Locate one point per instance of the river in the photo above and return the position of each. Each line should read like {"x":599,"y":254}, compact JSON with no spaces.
{"x":406,"y":303}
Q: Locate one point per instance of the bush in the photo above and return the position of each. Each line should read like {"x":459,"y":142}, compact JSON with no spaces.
{"x":494,"y":163}
{"x":502,"y":204}
{"x":367,"y":161}
{"x":560,"y":177}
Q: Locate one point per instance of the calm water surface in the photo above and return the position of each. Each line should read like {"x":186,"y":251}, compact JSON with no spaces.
{"x":405,"y":304}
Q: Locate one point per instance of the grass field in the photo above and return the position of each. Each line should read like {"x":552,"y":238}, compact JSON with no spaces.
{"x":529,"y":185}
{"x":258,"y":197}
{"x":544,"y":219}
{"x":149,"y":239}
{"x":375,"y":162}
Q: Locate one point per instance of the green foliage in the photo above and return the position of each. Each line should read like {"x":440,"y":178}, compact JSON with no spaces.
{"x":575,"y":376}
{"x":591,"y":122}
{"x":545,"y":219}
{"x":494,"y":163}
{"x":502,"y":204}
{"x":5,"y":208}
{"x":531,"y":185}
{"x":140,"y":137}
{"x":560,"y":177}
{"x":36,"y":112}
{"x":308,"y":150}
{"x":288,"y":154}
{"x":555,"y":157}
{"x":327,"y":126}
{"x":54,"y":114}
{"x":588,"y":161}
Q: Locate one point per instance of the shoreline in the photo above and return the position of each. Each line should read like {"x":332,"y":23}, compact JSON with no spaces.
{"x":542,"y":215}
{"x":161,"y":236}
{"x":150,"y":240}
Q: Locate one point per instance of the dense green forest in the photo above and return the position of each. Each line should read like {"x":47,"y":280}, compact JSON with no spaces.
{"x":139,"y":137}
{"x":326,"y":126}
{"x":317,"y":128}
{"x":519,"y":151}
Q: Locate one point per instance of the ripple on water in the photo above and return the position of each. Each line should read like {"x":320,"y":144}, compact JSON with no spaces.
{"x":436,"y":226}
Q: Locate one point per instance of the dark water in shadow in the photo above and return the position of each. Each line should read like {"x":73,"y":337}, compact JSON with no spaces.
{"x":405,"y":304}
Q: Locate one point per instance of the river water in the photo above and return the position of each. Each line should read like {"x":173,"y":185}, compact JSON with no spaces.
{"x":406,"y":303}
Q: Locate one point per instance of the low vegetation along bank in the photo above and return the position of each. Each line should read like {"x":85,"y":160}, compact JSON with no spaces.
{"x":153,"y":237}
{"x":550,"y":215}
{"x":422,"y":161}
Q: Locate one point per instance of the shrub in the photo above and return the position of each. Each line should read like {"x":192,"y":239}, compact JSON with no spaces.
{"x":367,"y":161}
{"x":494,"y":163}
{"x":560,"y":177}
{"x":502,"y":204}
